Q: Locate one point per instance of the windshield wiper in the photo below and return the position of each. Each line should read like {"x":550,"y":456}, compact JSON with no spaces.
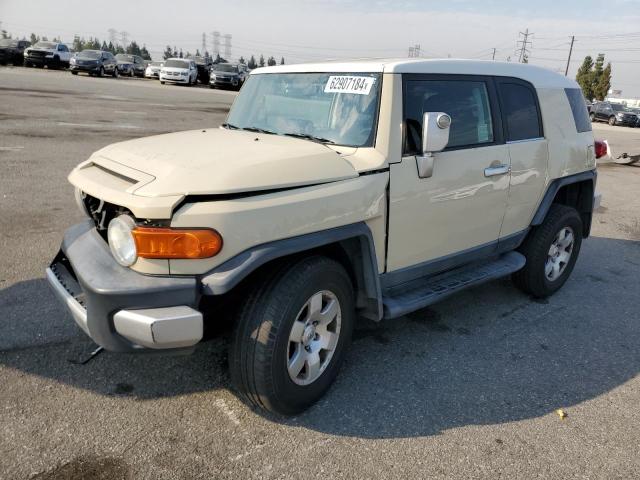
{"x":258,"y":130}
{"x":313,"y":138}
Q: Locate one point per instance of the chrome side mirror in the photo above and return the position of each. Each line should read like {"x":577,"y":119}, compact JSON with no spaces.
{"x":435,"y":136}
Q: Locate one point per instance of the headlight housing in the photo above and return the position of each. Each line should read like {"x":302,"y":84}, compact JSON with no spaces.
{"x":121,"y":240}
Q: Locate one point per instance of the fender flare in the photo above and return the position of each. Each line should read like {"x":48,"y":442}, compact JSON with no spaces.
{"x":555,"y":186}
{"x":356,"y":239}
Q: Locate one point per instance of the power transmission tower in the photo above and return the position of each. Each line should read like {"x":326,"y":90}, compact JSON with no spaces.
{"x":566,"y":72}
{"x":216,"y":43}
{"x":524,"y":45}
{"x":112,"y":36}
{"x":414,"y":52}
{"x":124,"y":37}
{"x":227,"y":47}
{"x":204,"y":43}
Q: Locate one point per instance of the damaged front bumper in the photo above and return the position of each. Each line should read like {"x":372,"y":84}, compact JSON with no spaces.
{"x":122,"y":310}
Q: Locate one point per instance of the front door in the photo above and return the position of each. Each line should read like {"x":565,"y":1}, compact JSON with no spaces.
{"x":447,"y":218}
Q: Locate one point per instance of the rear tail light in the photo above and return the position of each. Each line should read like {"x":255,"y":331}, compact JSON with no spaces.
{"x":176,"y":242}
{"x":601,"y":148}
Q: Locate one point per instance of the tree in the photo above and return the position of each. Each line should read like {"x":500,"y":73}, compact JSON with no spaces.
{"x":252,"y":63}
{"x":242,"y":61}
{"x":584,"y":77}
{"x":282,"y":61}
{"x":144,"y":53}
{"x":111,"y":48}
{"x":261,"y":63}
{"x":271,"y":62}
{"x":104,"y":47}
{"x":167,"y":52}
{"x":77,"y":43}
{"x":119,"y":50}
{"x":34,"y":39}
{"x":181,"y":55}
{"x":594,"y":78}
{"x":604,"y":83}
{"x":197,"y":53}
{"x":525,"y":58}
{"x":5,"y":34}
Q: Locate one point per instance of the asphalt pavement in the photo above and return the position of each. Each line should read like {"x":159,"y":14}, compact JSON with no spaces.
{"x":468,"y":388}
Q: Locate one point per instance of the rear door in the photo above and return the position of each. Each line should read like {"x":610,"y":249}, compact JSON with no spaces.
{"x":528,"y":151}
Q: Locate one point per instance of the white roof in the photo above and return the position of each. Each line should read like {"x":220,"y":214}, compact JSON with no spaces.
{"x":538,"y":76}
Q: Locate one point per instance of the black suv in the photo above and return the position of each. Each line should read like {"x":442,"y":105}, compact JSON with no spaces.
{"x":138,"y":65}
{"x":94,"y":62}
{"x":12,"y":51}
{"x":613,"y":113}
{"x":203,"y":64}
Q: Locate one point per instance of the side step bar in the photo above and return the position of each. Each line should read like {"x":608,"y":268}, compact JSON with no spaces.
{"x":422,"y":292}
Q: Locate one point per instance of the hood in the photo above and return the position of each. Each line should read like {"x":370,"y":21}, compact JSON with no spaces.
{"x":175,"y":69}
{"x":124,"y":62}
{"x":221,"y":161}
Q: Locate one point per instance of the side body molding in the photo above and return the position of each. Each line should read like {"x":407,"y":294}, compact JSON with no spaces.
{"x":356,"y":240}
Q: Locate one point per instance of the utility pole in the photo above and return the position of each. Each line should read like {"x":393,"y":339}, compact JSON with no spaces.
{"x":112,"y":36}
{"x":124,"y":37}
{"x":566,"y":72}
{"x":494,"y":54}
{"x":524,"y":46}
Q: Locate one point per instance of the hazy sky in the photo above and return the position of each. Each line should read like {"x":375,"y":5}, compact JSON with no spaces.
{"x":308,"y":30}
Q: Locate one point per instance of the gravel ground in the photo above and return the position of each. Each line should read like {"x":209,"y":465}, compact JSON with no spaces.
{"x":466,"y":389}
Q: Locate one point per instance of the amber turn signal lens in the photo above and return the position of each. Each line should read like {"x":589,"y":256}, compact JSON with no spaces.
{"x":176,"y":243}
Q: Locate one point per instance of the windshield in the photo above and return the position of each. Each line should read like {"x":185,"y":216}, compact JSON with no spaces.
{"x":154,"y":64}
{"x":332,"y":108}
{"x":90,"y":54}
{"x":123,"y":57}
{"x":6,"y":42}
{"x":225,"y":67}
{"x":176,"y":64}
{"x":616,"y":107}
{"x":47,"y":45}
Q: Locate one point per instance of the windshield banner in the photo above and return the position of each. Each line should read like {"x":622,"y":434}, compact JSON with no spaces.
{"x":349,"y":84}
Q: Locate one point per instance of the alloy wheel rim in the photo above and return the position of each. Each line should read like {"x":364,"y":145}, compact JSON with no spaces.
{"x":314,"y":337}
{"x":559,"y":254}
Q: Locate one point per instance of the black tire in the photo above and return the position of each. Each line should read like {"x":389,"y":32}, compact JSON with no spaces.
{"x":592,"y":116}
{"x":115,"y":73}
{"x":101,"y":72}
{"x":74,"y":73}
{"x":260,"y":346}
{"x":532,"y":278}
{"x":161,"y":82}
{"x":612,"y":121}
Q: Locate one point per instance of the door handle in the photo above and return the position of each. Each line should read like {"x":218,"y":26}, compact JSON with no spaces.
{"x":497,"y":170}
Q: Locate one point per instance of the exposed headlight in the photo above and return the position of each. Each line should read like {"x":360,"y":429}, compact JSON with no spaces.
{"x":184,"y":74}
{"x":121,"y":241}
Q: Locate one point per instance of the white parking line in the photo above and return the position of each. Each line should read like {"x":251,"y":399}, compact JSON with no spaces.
{"x":10,"y":149}
{"x":97,"y":125}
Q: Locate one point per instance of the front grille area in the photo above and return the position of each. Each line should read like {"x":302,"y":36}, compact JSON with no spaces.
{"x":102,"y":212}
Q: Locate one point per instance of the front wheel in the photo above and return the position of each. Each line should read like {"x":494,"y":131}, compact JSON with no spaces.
{"x":551,"y":250}
{"x":292,"y":334}
{"x":101,"y":72}
{"x":115,"y":74}
{"x":612,"y":121}
{"x":592,"y":116}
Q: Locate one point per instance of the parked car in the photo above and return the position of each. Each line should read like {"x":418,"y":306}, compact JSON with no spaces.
{"x":12,"y":51}
{"x":131,"y":64}
{"x":322,"y":200}
{"x":153,"y":69}
{"x":179,"y":70}
{"x":94,"y":62}
{"x":227,"y":75}
{"x":47,"y":54}
{"x":613,"y":113}
{"x":636,"y":112}
{"x":203,"y":64}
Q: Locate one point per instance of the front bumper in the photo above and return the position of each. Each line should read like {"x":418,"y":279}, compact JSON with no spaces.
{"x":224,"y":82}
{"x":120,"y":309}
{"x":172,"y":79}
{"x":84,"y":68}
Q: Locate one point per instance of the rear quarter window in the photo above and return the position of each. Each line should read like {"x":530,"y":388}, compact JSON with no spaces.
{"x":520,"y":110}
{"x":579,"y":109}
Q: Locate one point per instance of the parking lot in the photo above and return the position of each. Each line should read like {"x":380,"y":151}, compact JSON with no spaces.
{"x":468,"y":388}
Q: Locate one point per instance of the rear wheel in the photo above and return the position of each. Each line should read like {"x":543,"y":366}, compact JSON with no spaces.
{"x":101,"y":72}
{"x":551,"y":250}
{"x":592,"y":116}
{"x":292,"y":334}
{"x":115,"y":73}
{"x":612,"y":121}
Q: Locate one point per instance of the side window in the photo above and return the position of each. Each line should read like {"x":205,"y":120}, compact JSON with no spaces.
{"x":520,"y":110}
{"x":465,"y":101}
{"x":578,"y":109}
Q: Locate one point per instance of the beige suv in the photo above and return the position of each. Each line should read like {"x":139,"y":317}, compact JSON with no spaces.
{"x":333,"y":191}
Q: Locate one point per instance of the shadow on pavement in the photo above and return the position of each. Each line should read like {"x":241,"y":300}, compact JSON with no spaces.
{"x":488,"y":356}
